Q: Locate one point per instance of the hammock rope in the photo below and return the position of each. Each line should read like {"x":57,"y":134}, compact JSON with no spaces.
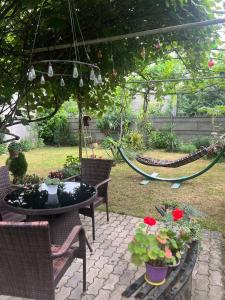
{"x":149,"y":161}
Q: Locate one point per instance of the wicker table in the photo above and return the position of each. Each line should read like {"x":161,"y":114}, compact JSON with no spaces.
{"x":60,"y":210}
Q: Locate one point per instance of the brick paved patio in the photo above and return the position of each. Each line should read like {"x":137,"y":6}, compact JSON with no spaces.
{"x":109,"y":271}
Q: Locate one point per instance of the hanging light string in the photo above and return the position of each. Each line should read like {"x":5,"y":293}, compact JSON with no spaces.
{"x":81,"y":34}
{"x":31,"y":70}
{"x":73,"y":29}
{"x":76,"y":61}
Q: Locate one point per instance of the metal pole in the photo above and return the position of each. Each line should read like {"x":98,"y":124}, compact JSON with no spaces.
{"x":130,"y":35}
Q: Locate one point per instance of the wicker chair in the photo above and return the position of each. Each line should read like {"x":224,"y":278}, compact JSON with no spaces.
{"x":95,"y":172}
{"x":30,"y":266}
{"x":6,"y":187}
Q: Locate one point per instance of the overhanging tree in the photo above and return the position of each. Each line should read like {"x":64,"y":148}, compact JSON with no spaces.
{"x":20,"y":99}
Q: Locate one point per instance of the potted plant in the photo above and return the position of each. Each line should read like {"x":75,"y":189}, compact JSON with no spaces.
{"x":52,"y":185}
{"x":157,"y":249}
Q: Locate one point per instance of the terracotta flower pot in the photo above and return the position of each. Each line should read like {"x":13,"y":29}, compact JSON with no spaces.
{"x":155,"y":275}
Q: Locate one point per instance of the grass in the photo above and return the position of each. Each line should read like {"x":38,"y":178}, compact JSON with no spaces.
{"x":129,"y":197}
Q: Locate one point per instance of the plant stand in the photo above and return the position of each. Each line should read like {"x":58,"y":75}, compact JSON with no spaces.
{"x":178,"y":283}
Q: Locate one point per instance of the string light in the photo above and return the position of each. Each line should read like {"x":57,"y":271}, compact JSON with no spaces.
{"x":62,"y":82}
{"x":75,"y":71}
{"x":92,"y":75}
{"x":42,"y":79}
{"x":81,"y":83}
{"x":50,"y":70}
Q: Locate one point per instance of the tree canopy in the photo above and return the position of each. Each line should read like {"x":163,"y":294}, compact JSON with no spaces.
{"x":20,"y":99}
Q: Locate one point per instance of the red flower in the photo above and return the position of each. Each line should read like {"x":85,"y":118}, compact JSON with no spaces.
{"x":149,"y":221}
{"x":177,"y":214}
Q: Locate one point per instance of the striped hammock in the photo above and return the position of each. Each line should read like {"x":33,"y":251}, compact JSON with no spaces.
{"x":178,"y":162}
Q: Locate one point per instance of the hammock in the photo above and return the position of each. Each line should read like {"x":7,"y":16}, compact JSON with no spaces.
{"x":178,"y":162}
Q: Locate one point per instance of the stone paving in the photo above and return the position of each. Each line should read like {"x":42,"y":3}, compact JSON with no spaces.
{"x":109,"y":271}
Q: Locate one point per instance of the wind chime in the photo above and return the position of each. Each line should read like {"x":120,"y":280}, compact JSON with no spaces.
{"x":76,"y":65}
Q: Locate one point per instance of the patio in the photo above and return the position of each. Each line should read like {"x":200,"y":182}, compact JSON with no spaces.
{"x":109,"y":271}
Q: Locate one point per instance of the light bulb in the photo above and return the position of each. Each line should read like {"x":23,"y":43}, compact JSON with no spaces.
{"x":62,"y":82}
{"x":92,"y":75}
{"x":81,"y":83}
{"x":96,"y":81}
{"x":30,"y":76}
{"x":50,"y":70}
{"x":42,"y":79}
{"x":100,"y":78}
{"x":32,"y":70}
{"x":75,"y":71}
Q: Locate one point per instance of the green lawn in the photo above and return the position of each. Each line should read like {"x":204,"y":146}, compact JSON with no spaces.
{"x":206,"y":192}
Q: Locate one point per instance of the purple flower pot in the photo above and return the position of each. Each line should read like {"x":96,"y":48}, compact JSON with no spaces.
{"x":155,"y":275}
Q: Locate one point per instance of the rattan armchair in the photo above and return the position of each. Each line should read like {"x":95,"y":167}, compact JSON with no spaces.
{"x":95,"y":172}
{"x":6,"y":187}
{"x":30,"y":266}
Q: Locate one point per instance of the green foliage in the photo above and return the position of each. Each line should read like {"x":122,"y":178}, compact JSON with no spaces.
{"x":187,"y":148}
{"x":57,"y":131}
{"x":52,"y":181}
{"x":111,"y":147}
{"x":3,"y":149}
{"x":134,"y":140}
{"x":17,"y":29}
{"x":30,"y":180}
{"x":152,"y":248}
{"x":164,"y":140}
{"x":14,"y":147}
{"x":18,"y":166}
{"x":71,"y":166}
{"x":26,"y":145}
{"x":201,"y":142}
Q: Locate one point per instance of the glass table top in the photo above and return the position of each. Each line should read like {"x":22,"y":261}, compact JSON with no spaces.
{"x":43,"y":197}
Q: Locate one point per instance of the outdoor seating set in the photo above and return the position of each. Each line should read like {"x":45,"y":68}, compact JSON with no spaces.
{"x":37,"y":241}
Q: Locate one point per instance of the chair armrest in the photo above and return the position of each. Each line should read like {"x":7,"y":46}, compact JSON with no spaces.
{"x":71,"y":177}
{"x":102,"y":183}
{"x":68,"y":242}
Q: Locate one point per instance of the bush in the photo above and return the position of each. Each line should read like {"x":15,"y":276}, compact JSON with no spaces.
{"x":134,"y":140}
{"x":3,"y":149}
{"x":187,"y":148}
{"x":164,"y":140}
{"x":201,"y":142}
{"x":57,"y":131}
{"x":26,"y":145}
{"x":71,"y":166}
{"x":18,"y":166}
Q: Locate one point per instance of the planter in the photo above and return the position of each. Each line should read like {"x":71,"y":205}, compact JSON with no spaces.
{"x":52,"y":189}
{"x":155,"y":275}
{"x":175,"y":265}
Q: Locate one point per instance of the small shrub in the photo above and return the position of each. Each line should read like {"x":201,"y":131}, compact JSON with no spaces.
{"x":26,"y":145}
{"x":201,"y":142}
{"x":110,"y":146}
{"x":3,"y":149}
{"x":187,"y":148}
{"x":18,"y":166}
{"x":71,"y":166}
{"x":30,"y":180}
{"x":164,"y":140}
{"x":134,"y":140}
